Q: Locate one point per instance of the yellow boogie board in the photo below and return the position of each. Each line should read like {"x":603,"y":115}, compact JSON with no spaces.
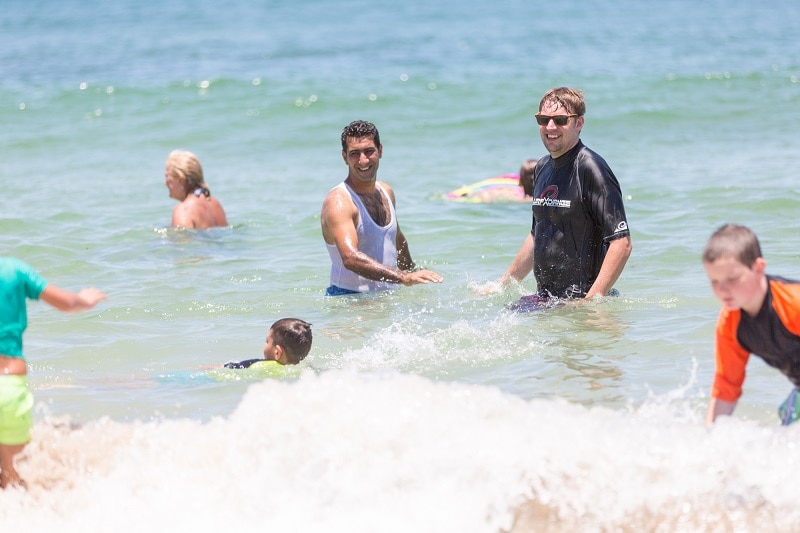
{"x":257,"y":371}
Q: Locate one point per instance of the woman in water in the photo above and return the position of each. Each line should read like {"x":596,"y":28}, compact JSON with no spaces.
{"x":184,"y":179}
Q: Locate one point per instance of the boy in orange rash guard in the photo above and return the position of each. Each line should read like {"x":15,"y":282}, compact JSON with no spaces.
{"x":760,"y":315}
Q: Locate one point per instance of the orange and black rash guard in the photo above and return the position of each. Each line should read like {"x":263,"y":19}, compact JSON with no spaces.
{"x":773,"y":334}
{"x":577,"y":211}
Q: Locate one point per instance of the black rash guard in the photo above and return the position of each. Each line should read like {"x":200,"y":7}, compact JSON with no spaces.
{"x":243,"y":364}
{"x":577,"y":211}
{"x":773,"y":334}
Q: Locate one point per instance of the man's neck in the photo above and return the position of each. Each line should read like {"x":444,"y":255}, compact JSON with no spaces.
{"x":361,"y":187}
{"x":565,"y":152}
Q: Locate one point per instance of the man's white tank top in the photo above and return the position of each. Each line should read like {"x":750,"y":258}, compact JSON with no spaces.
{"x":378,"y":242}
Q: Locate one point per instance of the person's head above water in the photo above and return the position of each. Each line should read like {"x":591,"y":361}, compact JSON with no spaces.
{"x":288,"y":341}
{"x":731,"y":240}
{"x":185,"y":169}
{"x":526,"y":176}
{"x":560,"y":119}
{"x":359,"y":129}
{"x":737,"y":271}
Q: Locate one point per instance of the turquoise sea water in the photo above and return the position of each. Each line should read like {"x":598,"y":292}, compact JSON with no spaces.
{"x":431,"y":408}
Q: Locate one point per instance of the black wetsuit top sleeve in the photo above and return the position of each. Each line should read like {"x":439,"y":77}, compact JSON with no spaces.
{"x":242,"y":364}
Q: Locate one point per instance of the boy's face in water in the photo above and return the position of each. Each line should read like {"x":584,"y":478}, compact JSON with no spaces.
{"x":736,"y":285}
{"x":271,"y":350}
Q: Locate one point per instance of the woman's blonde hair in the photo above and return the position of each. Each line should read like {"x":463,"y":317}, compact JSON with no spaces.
{"x":186,"y":166}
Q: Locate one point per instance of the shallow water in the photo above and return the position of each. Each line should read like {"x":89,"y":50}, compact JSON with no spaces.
{"x":431,"y":408}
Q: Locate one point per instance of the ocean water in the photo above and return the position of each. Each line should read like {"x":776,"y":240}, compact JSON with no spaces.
{"x":430,"y":408}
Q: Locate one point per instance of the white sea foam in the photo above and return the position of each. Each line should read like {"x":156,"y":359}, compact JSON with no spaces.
{"x":391,"y":452}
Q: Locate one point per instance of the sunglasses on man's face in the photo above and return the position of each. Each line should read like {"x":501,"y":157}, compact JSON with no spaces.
{"x":560,"y":120}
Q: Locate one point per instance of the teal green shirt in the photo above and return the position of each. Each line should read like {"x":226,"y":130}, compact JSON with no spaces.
{"x":18,"y":282}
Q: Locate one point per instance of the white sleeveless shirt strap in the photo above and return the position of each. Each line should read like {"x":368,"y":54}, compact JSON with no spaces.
{"x":377,"y":242}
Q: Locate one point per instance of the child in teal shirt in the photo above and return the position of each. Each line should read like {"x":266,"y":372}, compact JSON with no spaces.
{"x":19,"y":283}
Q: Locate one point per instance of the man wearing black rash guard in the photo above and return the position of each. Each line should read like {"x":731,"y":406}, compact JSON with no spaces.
{"x":579,"y":242}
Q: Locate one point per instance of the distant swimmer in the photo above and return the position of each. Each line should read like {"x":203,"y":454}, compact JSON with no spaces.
{"x":367,"y":248}
{"x":760,"y":315}
{"x":19,"y":283}
{"x":505,"y":188}
{"x":288,"y":342}
{"x":579,"y":241}
{"x":184,"y":179}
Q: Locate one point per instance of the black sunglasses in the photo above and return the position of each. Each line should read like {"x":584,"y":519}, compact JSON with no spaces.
{"x":560,"y":120}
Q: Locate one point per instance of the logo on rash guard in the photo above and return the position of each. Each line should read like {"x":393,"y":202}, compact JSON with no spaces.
{"x":549,"y":198}
{"x":622,"y":226}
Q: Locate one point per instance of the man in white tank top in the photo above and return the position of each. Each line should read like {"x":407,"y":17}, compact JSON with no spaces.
{"x":367,"y":248}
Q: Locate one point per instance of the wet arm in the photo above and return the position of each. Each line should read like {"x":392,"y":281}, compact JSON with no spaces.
{"x":70,"y":301}
{"x":406,"y":264}
{"x":717,"y":407}
{"x":619,"y":250}
{"x":522,"y":264}
{"x":339,"y":224}
{"x":339,"y":228}
{"x":730,"y":360}
{"x":404,"y":261}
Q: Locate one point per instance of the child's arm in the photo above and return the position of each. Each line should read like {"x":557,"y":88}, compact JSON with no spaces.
{"x":730,"y":361}
{"x":717,"y":407}
{"x":70,"y":301}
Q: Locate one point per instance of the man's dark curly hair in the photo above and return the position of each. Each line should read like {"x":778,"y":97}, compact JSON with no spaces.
{"x":359,"y":129}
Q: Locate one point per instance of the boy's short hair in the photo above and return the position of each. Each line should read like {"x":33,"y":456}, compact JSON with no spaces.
{"x":294,"y":336}
{"x":732,"y":240}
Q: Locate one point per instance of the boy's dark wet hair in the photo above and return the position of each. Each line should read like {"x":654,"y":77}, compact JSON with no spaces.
{"x":732,"y":240}
{"x":294,"y":336}
{"x":359,"y":129}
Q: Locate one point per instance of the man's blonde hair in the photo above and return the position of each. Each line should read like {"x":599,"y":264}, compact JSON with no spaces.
{"x":567,"y":97}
